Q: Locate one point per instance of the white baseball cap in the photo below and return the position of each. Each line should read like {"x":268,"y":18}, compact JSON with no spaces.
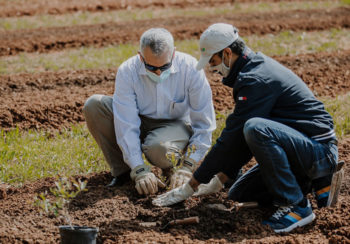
{"x":214,"y":39}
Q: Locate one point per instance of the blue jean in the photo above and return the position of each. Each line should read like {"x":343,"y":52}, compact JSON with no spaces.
{"x":287,"y":161}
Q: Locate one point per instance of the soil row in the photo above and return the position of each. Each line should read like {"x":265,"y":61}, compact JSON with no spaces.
{"x":54,"y":100}
{"x":119,"y":211}
{"x":57,"y":38}
{"x":56,"y":7}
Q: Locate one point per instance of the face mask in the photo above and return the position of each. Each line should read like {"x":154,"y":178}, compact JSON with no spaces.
{"x":221,"y":68}
{"x":158,"y":78}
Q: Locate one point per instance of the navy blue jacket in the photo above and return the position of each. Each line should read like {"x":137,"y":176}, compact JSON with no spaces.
{"x":263,"y":88}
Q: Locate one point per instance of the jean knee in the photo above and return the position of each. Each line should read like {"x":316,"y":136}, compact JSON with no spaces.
{"x":253,"y":129}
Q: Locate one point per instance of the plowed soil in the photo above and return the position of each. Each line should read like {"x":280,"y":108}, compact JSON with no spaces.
{"x":54,"y":100}
{"x":23,"y":7}
{"x":58,"y":38}
{"x":118,"y":212}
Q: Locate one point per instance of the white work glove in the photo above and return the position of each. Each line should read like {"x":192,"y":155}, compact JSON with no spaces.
{"x":183,"y":174}
{"x":174,"y":196}
{"x":213,"y":186}
{"x":145,"y":181}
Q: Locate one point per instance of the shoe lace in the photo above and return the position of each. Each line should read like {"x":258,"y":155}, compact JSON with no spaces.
{"x":281,"y":212}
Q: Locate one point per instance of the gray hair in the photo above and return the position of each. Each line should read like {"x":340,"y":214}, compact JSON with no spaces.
{"x":159,"y":40}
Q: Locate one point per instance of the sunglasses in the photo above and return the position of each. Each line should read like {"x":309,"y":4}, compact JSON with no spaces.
{"x":155,"y":68}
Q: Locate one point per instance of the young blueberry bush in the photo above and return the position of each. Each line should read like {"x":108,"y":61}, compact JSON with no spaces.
{"x":64,"y":192}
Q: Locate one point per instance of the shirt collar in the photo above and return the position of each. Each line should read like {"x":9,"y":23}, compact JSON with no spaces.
{"x":242,"y":60}
{"x":142,"y":70}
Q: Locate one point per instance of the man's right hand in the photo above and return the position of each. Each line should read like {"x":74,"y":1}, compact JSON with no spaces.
{"x":145,"y":181}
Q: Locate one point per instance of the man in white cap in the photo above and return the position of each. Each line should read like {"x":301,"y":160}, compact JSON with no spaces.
{"x":277,"y":120}
{"x":161,"y":105}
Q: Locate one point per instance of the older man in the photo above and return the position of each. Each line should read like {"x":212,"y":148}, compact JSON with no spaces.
{"x":161,"y":105}
{"x":277,"y":120}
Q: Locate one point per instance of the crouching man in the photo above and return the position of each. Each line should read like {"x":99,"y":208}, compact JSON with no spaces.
{"x":161,"y":105}
{"x":277,"y":120}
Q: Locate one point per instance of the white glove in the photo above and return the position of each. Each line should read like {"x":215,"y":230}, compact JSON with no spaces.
{"x":184,"y":174}
{"x":213,"y":186}
{"x":174,"y":196}
{"x":145,"y":181}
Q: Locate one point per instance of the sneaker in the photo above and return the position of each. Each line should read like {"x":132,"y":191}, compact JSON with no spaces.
{"x":286,"y":219}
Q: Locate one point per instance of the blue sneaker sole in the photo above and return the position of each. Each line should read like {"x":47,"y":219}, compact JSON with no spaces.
{"x":300,"y":223}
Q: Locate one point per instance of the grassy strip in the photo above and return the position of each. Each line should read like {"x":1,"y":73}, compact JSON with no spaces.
{"x":87,"y":18}
{"x":293,"y":43}
{"x":284,"y":43}
{"x":31,"y":155}
{"x":27,"y":156}
{"x":339,"y":108}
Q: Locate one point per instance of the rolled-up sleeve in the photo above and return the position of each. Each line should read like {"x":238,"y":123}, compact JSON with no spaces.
{"x":202,"y":114}
{"x":126,"y":119}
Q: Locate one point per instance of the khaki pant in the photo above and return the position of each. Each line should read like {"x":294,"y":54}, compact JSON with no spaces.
{"x":158,"y":136}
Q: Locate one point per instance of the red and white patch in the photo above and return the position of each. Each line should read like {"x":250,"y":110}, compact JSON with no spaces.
{"x":242,"y":98}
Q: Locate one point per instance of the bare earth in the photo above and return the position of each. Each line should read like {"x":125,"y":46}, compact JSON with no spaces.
{"x":54,"y":7}
{"x":118,"y":212}
{"x":57,"y":38}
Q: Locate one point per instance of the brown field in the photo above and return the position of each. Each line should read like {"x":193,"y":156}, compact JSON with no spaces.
{"x":54,"y":100}
{"x":57,"y":38}
{"x":25,"y":8}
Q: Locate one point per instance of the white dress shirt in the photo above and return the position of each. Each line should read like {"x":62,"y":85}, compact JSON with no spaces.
{"x":185,"y":95}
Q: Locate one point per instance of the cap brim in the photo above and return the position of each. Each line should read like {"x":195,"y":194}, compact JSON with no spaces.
{"x":203,"y":61}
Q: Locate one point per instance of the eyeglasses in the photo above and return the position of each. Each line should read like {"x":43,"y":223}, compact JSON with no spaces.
{"x":155,"y":68}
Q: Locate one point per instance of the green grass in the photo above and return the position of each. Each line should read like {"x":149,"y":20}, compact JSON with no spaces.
{"x":284,"y":43}
{"x":82,"y":58}
{"x":85,"y":18}
{"x":339,"y":108}
{"x":31,"y":155}
{"x":293,"y":43}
